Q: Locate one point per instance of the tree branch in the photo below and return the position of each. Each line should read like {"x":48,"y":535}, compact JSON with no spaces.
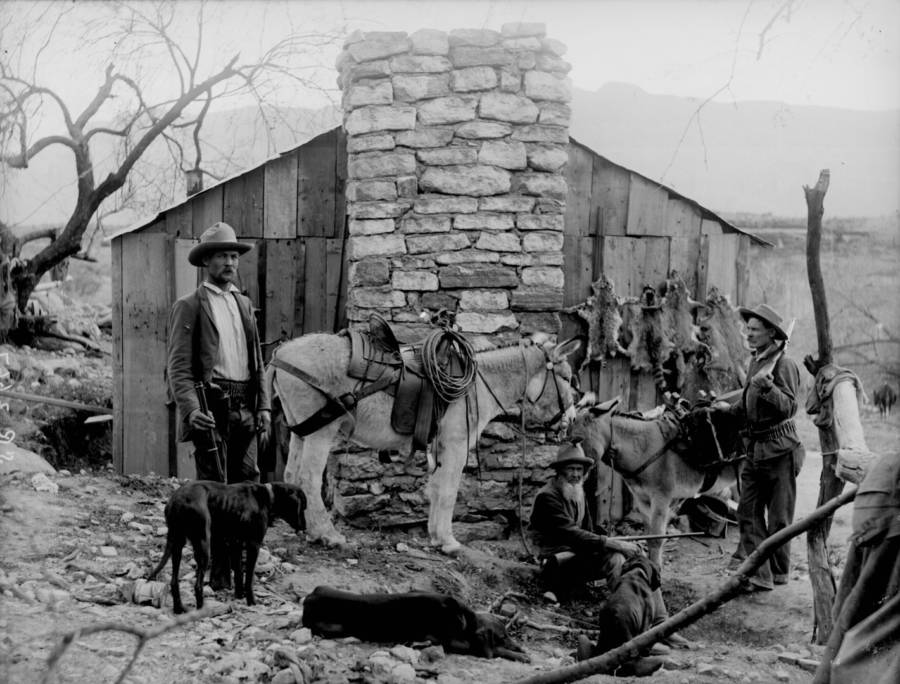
{"x":143,"y":635}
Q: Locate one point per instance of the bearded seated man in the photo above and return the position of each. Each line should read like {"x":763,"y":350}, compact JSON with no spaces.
{"x":572,"y":551}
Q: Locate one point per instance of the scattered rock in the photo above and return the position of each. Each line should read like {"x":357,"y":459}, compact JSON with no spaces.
{"x":301,"y":636}
{"x":108,"y":551}
{"x":781,"y":675}
{"x":431,"y":654}
{"x":42,"y":483}
{"x":285,"y":676}
{"x":406,"y":654}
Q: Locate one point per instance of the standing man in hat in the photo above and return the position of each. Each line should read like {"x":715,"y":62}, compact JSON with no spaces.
{"x":573,"y":552}
{"x":213,"y":340}
{"x":774,"y":451}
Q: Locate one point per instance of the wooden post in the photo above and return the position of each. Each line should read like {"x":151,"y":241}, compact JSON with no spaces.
{"x":815,"y":209}
{"x":820,"y":574}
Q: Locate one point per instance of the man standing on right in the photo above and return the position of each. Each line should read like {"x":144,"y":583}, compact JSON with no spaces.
{"x":774,"y":451}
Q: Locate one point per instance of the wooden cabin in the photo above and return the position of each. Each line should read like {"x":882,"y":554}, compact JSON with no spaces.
{"x":292,"y":207}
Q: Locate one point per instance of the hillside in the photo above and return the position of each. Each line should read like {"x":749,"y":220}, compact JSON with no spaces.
{"x":751,"y":157}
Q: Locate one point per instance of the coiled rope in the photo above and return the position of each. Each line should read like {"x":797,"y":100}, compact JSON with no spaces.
{"x":448,"y":361}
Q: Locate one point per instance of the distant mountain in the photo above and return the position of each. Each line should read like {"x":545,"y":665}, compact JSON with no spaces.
{"x":747,"y":157}
{"x":750,"y":156}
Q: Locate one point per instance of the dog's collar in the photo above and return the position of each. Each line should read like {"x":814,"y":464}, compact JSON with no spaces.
{"x":271,"y":491}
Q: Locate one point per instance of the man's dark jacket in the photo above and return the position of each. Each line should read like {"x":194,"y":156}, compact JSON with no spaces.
{"x":554,"y":527}
{"x":193,"y":351}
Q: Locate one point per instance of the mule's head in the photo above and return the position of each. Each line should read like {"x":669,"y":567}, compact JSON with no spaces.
{"x":549,"y":391}
{"x":591,"y":425}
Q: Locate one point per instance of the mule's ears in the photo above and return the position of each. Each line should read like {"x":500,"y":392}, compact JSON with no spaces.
{"x":605,"y":407}
{"x":563,"y":349}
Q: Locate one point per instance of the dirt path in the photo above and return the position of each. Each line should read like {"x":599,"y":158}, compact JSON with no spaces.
{"x":58,"y":554}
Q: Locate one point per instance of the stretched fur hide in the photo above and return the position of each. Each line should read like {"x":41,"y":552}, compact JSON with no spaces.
{"x":601,"y":313}
{"x":658,"y":333}
{"x":721,"y":367}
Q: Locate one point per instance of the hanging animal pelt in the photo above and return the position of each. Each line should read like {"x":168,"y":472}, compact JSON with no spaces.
{"x":679,"y":328}
{"x":601,"y":313}
{"x":648,"y":345}
{"x":721,"y":366}
{"x":661,"y":334}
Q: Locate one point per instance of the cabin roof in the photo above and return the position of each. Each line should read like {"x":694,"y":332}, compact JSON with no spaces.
{"x":704,"y":212}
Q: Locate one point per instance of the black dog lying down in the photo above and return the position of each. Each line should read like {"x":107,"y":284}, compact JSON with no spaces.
{"x":234,"y":517}
{"x":627,"y":613}
{"x":413,"y":616}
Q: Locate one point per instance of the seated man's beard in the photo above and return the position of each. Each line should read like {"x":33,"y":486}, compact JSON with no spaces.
{"x":572,"y":492}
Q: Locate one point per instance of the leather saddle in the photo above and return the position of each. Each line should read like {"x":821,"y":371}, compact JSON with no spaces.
{"x":378,"y":358}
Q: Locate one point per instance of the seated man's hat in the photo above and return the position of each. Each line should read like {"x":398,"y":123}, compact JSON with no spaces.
{"x":219,"y":237}
{"x":571,"y":454}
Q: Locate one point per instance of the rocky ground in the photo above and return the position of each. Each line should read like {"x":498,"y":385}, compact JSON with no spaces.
{"x":73,"y":551}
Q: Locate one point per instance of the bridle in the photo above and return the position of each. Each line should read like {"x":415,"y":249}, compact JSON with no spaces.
{"x":549,"y":372}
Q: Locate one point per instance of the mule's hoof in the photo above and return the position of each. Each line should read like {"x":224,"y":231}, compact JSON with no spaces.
{"x":451,"y":548}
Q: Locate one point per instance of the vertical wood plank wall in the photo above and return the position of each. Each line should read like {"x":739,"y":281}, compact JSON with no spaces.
{"x":292,"y":210}
{"x":145,"y":307}
{"x":620,"y":224}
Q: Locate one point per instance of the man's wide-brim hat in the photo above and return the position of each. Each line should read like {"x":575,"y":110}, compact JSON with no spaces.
{"x":219,"y":237}
{"x":571,"y":454}
{"x":766,"y":313}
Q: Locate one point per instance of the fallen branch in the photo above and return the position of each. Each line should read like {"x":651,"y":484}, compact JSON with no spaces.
{"x":40,"y":399}
{"x":143,"y":635}
{"x":630,"y":650}
{"x":559,"y":629}
{"x":78,"y":339}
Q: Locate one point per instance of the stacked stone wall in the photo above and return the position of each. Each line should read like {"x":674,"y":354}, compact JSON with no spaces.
{"x":456,"y":194}
{"x":456,"y":191}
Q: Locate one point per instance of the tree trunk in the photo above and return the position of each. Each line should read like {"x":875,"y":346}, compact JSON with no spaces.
{"x":815,"y":209}
{"x":820,"y":575}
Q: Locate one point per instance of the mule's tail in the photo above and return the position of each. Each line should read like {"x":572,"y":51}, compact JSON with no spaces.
{"x":166,"y":555}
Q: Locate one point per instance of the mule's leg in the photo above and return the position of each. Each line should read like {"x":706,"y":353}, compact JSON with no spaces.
{"x":313,"y":458}
{"x":295,"y":457}
{"x":656,"y":524}
{"x":443,"y":486}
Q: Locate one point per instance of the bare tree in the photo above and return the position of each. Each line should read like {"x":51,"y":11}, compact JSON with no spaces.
{"x":162,"y":77}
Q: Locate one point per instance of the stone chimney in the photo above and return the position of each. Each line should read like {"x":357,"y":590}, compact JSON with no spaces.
{"x":456,"y":193}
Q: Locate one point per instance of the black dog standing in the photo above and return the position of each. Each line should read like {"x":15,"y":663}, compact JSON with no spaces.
{"x":236,"y":517}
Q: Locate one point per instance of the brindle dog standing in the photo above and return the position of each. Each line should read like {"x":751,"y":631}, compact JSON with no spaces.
{"x":235,"y":515}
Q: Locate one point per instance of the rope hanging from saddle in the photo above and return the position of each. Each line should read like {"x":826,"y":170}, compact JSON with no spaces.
{"x":448,"y":361}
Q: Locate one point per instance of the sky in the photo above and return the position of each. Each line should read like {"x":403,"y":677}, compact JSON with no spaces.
{"x":830,"y":53}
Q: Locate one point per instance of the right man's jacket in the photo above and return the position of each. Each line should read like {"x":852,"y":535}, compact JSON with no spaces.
{"x":193,"y":348}
{"x":554,"y":527}
{"x":770,"y":430}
